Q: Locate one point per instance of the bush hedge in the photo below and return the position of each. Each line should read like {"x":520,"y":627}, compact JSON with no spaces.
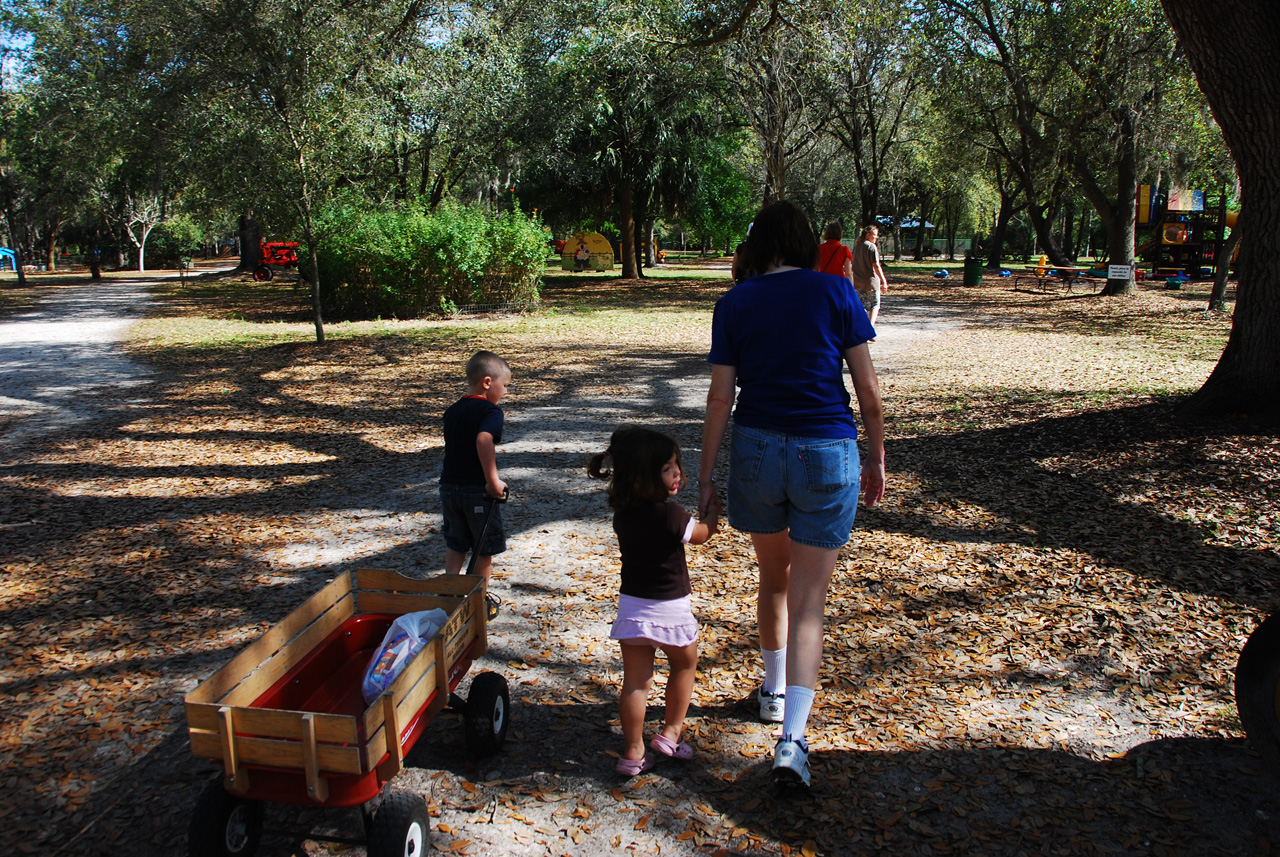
{"x":406,"y":263}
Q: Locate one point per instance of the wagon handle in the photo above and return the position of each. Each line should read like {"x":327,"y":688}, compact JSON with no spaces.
{"x":492,"y":504}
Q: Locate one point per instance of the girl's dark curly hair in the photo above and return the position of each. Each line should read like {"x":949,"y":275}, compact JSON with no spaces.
{"x":781,"y":234}
{"x":633,"y":465}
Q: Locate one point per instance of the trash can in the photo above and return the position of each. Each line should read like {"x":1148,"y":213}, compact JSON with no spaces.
{"x":973,"y":271}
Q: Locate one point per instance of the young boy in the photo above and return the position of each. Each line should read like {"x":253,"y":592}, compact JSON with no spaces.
{"x":472,"y":430}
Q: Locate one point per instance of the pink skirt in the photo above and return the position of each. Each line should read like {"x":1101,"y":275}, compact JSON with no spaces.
{"x":643,"y":621}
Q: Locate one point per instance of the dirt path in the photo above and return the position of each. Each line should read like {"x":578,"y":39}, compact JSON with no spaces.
{"x":57,"y":359}
{"x":1082,"y":774}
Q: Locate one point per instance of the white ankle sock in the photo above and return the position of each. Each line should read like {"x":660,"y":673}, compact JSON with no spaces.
{"x":775,"y":670}
{"x":795,"y":712}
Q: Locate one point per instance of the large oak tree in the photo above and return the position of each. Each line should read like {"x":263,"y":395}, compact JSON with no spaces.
{"x":1233,"y":48}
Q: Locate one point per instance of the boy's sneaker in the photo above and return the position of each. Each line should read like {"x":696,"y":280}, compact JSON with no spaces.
{"x":791,"y":763}
{"x":771,"y":706}
{"x":492,"y":604}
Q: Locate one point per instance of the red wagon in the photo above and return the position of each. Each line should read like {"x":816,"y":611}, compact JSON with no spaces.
{"x":282,"y":254}
{"x":286,"y":720}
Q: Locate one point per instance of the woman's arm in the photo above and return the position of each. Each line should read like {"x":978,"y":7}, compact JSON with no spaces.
{"x":720,"y":397}
{"x":867,"y":388}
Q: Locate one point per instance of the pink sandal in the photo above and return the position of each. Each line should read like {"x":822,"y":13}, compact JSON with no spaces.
{"x":634,"y":767}
{"x":664,"y":745}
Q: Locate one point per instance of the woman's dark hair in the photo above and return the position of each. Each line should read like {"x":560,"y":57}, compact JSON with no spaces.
{"x":633,"y":465}
{"x":781,"y":234}
{"x":833,"y":232}
{"x":741,"y":270}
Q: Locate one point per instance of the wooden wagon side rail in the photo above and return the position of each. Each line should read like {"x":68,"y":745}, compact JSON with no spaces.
{"x":224,"y":725}
{"x":462,"y":597}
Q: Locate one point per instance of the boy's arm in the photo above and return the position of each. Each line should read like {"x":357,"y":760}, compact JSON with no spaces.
{"x":489,"y":464}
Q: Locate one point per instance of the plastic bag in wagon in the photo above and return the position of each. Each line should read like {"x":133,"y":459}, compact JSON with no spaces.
{"x":404,"y":639}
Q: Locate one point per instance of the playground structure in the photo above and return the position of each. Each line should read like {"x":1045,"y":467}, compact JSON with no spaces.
{"x":282,"y":254}
{"x":1184,"y":235}
{"x":8,"y":255}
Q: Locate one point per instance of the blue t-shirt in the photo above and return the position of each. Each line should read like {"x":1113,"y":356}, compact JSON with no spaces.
{"x":463,"y":421}
{"x":786,"y":335}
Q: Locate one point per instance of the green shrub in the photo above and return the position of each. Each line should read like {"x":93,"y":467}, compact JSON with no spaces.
{"x":173,"y":240}
{"x":406,"y":263}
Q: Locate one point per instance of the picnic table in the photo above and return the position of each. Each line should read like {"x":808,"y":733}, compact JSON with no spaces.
{"x":1048,"y":278}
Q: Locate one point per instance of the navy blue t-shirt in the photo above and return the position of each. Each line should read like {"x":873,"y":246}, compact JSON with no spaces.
{"x":463,"y":421}
{"x":786,"y":335}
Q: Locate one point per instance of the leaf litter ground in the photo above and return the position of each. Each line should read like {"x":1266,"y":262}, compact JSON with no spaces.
{"x":1030,"y":644}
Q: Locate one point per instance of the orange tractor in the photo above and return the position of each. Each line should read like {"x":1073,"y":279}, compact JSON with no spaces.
{"x":283,"y":254}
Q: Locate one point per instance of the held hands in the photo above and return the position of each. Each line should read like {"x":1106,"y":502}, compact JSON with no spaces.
{"x":708,"y":501}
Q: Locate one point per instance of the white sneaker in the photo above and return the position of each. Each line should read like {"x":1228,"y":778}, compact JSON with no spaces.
{"x":791,"y":763}
{"x":771,"y":706}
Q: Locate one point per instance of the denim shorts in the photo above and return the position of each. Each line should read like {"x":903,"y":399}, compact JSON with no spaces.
{"x":806,"y":484}
{"x":464,"y":508}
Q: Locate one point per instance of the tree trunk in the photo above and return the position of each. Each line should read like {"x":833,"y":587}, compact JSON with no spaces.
{"x":1222,"y":269}
{"x":650,"y":243}
{"x":10,"y":220}
{"x":1118,"y":216}
{"x":309,"y":234}
{"x":250,"y":242}
{"x":1069,"y":229}
{"x":1008,"y":207}
{"x":51,"y":248}
{"x":1231,"y":48}
{"x":627,"y":226}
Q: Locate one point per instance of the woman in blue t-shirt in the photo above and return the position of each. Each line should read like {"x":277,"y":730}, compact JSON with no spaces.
{"x":783,"y":338}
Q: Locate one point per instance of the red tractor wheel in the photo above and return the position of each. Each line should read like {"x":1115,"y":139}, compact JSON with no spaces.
{"x":262,"y":273}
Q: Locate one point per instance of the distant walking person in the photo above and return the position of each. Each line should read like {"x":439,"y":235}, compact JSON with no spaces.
{"x":868,"y":274}
{"x":833,"y":256}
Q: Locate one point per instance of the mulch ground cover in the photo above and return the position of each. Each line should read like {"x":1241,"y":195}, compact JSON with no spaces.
{"x":1030,"y":644}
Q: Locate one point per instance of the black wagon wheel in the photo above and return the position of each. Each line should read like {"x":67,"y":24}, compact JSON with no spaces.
{"x":488,"y":714}
{"x":1258,"y":690}
{"x":401,"y":827}
{"x":224,"y":825}
{"x":262,"y":273}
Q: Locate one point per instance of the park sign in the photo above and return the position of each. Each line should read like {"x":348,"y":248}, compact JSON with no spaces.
{"x":1119,"y":272}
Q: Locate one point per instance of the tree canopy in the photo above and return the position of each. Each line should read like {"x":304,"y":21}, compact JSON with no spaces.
{"x":1025,"y":124}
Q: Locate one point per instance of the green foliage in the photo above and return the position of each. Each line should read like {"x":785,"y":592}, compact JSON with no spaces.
{"x":173,"y":240}
{"x":405,"y":263}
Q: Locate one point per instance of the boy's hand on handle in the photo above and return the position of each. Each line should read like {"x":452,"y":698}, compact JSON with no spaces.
{"x":497,"y":489}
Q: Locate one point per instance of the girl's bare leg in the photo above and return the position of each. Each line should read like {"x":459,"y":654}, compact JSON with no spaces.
{"x":637,"y":676}
{"x":683,"y":662}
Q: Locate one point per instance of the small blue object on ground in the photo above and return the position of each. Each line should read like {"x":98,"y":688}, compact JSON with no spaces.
{"x":1005,"y":272}
{"x":941,"y":275}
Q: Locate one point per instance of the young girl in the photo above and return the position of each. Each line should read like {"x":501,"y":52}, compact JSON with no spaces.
{"x":655,"y":607}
